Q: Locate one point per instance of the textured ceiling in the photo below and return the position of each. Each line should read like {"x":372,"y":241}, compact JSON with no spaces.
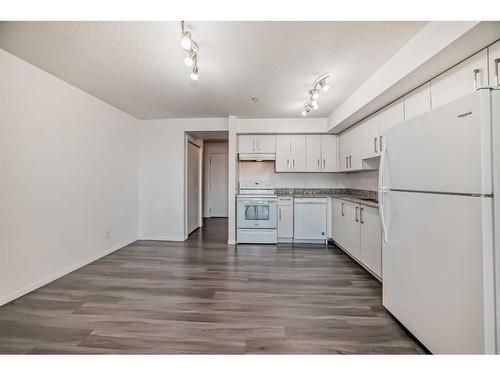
{"x":138,"y":66}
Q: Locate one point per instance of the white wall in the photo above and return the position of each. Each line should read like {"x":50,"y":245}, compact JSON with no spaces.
{"x":68,"y":175}
{"x":361,"y":180}
{"x":161,"y":174}
{"x":282,"y":125}
{"x":209,"y":148}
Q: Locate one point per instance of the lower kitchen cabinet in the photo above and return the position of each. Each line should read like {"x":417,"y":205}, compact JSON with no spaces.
{"x":356,"y":229}
{"x":285,"y":219}
{"x":371,"y":239}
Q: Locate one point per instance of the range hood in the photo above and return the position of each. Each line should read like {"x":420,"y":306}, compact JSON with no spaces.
{"x":256,"y":157}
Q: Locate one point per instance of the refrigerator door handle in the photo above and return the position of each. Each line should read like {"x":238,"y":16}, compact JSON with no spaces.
{"x":381,"y":194}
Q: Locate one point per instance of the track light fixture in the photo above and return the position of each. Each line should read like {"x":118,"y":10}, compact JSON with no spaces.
{"x":191,"y":48}
{"x":313,"y":94}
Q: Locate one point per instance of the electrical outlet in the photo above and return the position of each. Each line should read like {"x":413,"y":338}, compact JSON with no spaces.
{"x":108,"y":234}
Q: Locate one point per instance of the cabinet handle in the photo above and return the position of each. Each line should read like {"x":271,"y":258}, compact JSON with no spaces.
{"x":253,"y":145}
{"x":279,"y":214}
{"x":318,"y":165}
{"x":380,"y":141}
{"x":357,"y":214}
{"x":324,"y":164}
{"x":350,"y":161}
{"x":342,"y":209}
{"x":361,"y":215}
{"x":375,"y":144}
{"x":293,"y":164}
{"x":346,"y":165}
{"x":497,"y":78}
{"x":476,"y":72}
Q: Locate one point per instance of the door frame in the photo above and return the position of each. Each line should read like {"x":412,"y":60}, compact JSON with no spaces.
{"x":199,"y":144}
{"x":210,"y":180}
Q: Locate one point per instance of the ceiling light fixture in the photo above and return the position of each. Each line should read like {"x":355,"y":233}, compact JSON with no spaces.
{"x":313,"y":94}
{"x":191,"y":48}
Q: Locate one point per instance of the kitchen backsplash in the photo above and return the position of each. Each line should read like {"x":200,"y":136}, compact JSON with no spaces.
{"x":325,"y":191}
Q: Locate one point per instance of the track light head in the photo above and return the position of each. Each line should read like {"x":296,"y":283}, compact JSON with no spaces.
{"x":186,"y":42}
{"x":194,"y":73}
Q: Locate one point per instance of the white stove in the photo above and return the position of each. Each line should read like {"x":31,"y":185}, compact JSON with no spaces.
{"x":257,"y":206}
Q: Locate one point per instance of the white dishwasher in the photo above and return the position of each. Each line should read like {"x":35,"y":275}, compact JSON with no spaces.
{"x":309,"y":220}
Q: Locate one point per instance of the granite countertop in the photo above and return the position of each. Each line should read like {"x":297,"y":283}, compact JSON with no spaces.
{"x":352,"y":195}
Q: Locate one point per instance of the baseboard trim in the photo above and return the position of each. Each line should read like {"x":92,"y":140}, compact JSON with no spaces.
{"x":65,"y":271}
{"x":232,"y":242}
{"x":164,"y":238}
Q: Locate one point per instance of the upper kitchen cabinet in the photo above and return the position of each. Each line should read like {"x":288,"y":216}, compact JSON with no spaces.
{"x":350,"y":145}
{"x":282,"y":153}
{"x":290,"y":153}
{"x":460,"y":80}
{"x":367,"y":140}
{"x":329,"y":152}
{"x":344,"y":150}
{"x":314,"y":160}
{"x":321,"y":153}
{"x":388,"y":117}
{"x":298,"y":153}
{"x":257,"y":144}
{"x":494,"y":63}
{"x":418,"y":101}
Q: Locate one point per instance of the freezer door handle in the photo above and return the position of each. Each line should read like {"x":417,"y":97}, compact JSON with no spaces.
{"x":497,"y":79}
{"x":476,"y":73}
{"x":357,"y":208}
{"x":342,"y":209}
{"x":381,"y":202}
{"x":361,"y":215}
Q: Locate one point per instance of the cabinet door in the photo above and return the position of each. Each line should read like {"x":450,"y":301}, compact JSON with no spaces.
{"x":313,"y":153}
{"x":371,"y":239}
{"x":298,"y":153}
{"x":285,"y":222}
{"x":344,"y":149}
{"x":366,"y":141}
{"x":338,"y":222}
{"x":329,"y":153}
{"x":247,"y":144}
{"x":460,"y":80}
{"x":283,"y":161}
{"x":494,"y":64}
{"x":266,"y":143}
{"x":418,"y":101}
{"x":356,"y":137}
{"x":351,"y":212}
{"x":390,"y":116}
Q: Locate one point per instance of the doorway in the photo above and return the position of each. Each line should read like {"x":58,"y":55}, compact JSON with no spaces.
{"x":217,"y":185}
{"x":193,"y":186}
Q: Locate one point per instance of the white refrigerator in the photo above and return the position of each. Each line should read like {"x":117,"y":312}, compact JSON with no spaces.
{"x":438,"y":177}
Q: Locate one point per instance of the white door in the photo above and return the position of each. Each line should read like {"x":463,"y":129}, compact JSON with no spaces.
{"x":494,"y":64}
{"x":357,"y":138}
{"x":298,"y":153}
{"x":247,"y":144}
{"x":218,"y":185}
{"x":313,"y":153}
{"x":433,"y":268}
{"x":460,"y":80}
{"x":371,"y":239}
{"x":267,"y":143}
{"x":441,"y":150}
{"x":285,"y":221}
{"x":352,"y":243}
{"x":417,"y":102}
{"x":193,"y":187}
{"x":329,"y":153}
{"x":283,"y":163}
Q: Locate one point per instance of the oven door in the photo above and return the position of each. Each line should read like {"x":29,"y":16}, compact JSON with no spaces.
{"x":256,"y":213}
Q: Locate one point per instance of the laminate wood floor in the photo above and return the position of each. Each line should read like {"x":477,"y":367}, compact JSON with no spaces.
{"x":203,"y":296}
